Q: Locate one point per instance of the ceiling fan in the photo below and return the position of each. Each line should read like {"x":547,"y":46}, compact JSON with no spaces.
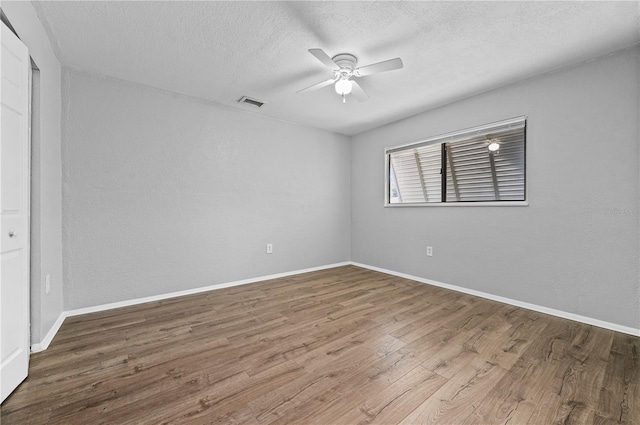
{"x":343,"y":67}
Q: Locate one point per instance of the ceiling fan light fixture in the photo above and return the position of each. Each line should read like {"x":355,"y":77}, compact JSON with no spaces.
{"x":343,"y":68}
{"x":343,"y":86}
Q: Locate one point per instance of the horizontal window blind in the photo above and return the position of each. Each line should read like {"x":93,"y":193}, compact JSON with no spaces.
{"x":473,"y":172}
{"x":480,"y":131}
{"x":417,"y":174}
{"x":510,"y":167}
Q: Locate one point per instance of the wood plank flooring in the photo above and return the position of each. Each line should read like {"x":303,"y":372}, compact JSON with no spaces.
{"x":338,"y":346}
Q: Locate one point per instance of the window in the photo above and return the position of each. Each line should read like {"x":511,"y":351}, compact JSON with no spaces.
{"x":482,"y":164}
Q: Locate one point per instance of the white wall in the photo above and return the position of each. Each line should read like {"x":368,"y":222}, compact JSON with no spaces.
{"x":576,"y":247}
{"x":163,"y":193}
{"x":46,"y":251}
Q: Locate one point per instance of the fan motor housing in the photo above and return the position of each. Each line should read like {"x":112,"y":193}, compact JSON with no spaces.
{"x":346,"y":61}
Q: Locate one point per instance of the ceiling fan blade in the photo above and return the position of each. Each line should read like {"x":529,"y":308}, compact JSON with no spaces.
{"x":375,"y":68}
{"x":324,"y":58}
{"x":358,"y":91}
{"x":318,"y":85}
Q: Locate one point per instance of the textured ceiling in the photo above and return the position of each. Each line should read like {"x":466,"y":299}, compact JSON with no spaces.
{"x":220,"y":51}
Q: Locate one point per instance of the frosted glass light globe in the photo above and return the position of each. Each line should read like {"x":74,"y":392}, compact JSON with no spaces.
{"x":343,"y":87}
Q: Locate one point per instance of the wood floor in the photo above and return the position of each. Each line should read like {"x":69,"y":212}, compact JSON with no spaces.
{"x":339,"y":346}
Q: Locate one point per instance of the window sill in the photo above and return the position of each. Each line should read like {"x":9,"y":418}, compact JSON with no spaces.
{"x":462,"y":204}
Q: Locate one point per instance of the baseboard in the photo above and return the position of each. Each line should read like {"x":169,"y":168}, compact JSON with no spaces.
{"x":135,"y":301}
{"x":528,"y":306}
{"x":44,"y":344}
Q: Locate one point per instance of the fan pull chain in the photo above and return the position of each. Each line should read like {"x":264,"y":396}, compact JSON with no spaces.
{"x":344,"y":100}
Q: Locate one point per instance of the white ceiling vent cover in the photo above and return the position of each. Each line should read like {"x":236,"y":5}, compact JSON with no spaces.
{"x":250,"y":101}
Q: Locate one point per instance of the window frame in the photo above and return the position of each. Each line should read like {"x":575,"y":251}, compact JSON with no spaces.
{"x":453,"y":137}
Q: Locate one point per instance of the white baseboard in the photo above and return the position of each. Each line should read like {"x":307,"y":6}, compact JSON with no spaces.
{"x":44,"y":344}
{"x":135,"y":301}
{"x":528,"y":306}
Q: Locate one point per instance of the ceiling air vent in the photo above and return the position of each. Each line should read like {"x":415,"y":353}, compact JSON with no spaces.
{"x":250,"y":101}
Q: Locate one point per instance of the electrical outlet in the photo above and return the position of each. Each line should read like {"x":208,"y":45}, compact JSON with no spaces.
{"x":429,"y":251}
{"x":47,"y":284}
{"x":269,"y":248}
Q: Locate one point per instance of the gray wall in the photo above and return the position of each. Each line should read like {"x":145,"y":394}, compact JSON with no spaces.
{"x":163,"y":192}
{"x":576,"y":247}
{"x":46,"y":245}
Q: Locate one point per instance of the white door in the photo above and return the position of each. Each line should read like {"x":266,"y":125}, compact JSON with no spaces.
{"x":14,"y":211}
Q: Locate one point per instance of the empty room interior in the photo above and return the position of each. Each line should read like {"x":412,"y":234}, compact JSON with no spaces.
{"x":320,"y":213}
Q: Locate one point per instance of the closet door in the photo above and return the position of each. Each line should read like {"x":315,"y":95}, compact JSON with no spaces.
{"x":14,"y":213}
